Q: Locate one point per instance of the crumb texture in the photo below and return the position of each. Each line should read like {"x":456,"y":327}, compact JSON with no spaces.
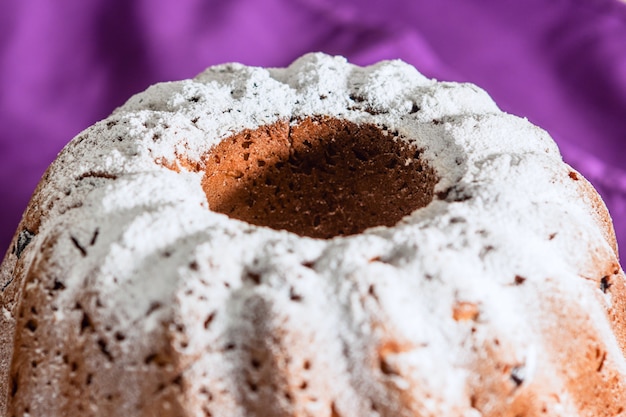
{"x":320,"y":240}
{"x":318,"y":177}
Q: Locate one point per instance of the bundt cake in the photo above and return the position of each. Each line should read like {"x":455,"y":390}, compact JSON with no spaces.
{"x":321,"y":240}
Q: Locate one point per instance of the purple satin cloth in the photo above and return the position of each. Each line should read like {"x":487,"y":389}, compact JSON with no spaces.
{"x":65,"y":65}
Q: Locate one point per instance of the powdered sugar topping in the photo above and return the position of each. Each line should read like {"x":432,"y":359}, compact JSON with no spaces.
{"x":506,"y":217}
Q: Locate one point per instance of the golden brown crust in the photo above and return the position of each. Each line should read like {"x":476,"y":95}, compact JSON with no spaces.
{"x":601,"y":214}
{"x":61,"y":354}
{"x":594,"y":384}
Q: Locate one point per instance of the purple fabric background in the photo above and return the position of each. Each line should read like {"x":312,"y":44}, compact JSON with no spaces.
{"x":66,"y":64}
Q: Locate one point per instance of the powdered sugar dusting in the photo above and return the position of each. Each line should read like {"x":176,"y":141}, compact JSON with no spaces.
{"x":404,"y":317}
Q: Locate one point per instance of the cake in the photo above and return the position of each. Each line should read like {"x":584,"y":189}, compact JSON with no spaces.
{"x":320,"y":240}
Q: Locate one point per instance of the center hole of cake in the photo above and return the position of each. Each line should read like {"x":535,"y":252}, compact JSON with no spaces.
{"x":320,"y":177}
